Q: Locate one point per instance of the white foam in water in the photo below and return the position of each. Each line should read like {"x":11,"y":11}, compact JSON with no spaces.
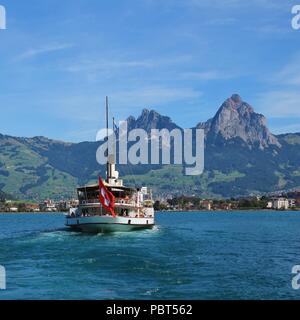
{"x":137,"y":234}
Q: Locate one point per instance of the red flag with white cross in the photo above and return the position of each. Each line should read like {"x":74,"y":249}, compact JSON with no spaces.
{"x":107,"y":199}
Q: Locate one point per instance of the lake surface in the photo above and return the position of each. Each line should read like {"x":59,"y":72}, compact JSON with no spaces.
{"x":240,"y":255}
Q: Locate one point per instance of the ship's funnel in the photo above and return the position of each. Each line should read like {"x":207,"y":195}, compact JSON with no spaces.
{"x":111,"y":159}
{"x":112,"y":173}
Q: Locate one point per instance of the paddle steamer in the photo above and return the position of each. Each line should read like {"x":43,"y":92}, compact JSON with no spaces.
{"x":109,"y":206}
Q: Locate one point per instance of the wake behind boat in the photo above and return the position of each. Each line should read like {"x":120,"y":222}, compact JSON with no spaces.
{"x":109,"y":206}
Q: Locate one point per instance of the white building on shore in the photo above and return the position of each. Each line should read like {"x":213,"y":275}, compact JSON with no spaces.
{"x":281,"y":203}
{"x":48,"y":206}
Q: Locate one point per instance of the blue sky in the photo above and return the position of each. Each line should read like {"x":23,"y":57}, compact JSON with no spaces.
{"x":183,"y":58}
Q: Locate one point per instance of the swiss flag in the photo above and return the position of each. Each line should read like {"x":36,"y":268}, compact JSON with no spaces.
{"x":106,"y":198}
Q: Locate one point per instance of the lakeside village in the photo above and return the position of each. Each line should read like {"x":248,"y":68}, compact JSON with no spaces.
{"x":281,"y":202}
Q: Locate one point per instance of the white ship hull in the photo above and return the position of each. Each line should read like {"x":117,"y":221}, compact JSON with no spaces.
{"x":104,"y":224}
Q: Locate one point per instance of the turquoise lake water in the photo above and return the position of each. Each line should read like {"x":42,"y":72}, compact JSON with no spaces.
{"x":240,"y":255}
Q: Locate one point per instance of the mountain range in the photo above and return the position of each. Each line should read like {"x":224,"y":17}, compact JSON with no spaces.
{"x":242,"y":157}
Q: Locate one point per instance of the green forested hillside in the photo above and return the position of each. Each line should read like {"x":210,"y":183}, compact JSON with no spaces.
{"x":39,"y":168}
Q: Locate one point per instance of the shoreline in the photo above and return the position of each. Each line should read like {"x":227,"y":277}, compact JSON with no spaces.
{"x":229,"y":211}
{"x":168,"y":211}
{"x":32,"y":213}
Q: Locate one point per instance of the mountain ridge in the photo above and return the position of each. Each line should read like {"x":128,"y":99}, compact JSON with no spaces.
{"x":242,"y":157}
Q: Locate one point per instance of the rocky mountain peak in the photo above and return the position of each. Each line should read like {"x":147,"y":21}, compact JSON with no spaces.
{"x":150,"y":119}
{"x":236,"y":98}
{"x":237,"y":119}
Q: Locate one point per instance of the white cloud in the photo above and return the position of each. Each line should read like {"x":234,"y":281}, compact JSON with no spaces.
{"x":284,"y":100}
{"x":207,"y":75}
{"x":111,"y":64}
{"x":153,"y":96}
{"x":31,"y":53}
{"x":104,"y":65}
{"x":89,"y":107}
{"x":290,"y":73}
{"x":221,"y":4}
{"x":238,"y":3}
{"x":286,"y":128}
{"x":221,"y":21}
{"x":280,"y":104}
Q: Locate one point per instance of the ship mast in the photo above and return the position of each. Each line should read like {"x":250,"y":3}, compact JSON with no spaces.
{"x":112,"y":176}
{"x":107,"y":123}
